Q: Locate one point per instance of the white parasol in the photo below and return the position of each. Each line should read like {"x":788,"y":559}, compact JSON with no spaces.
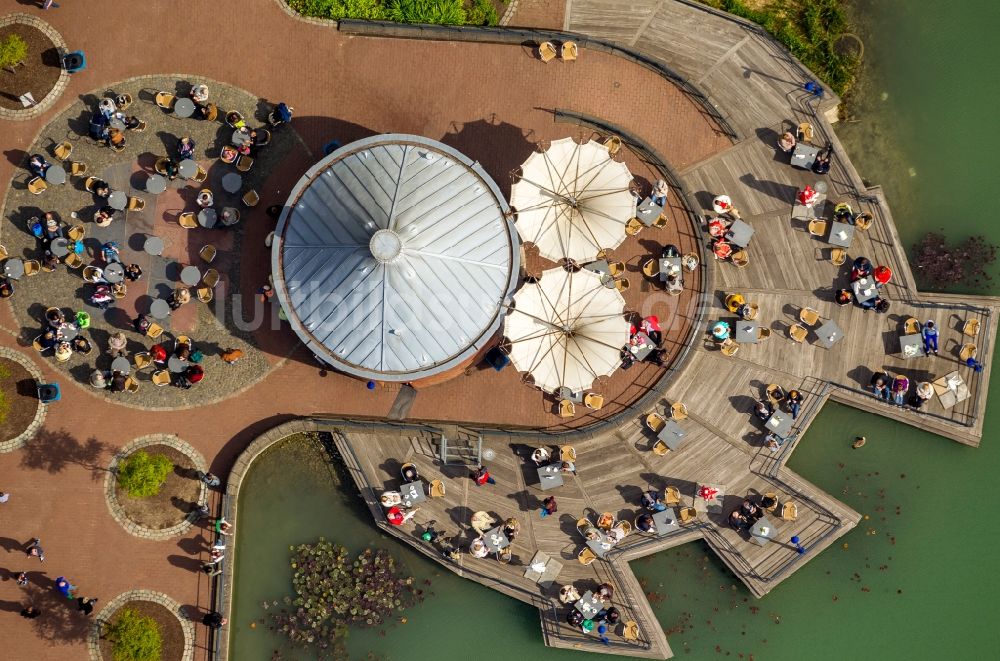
{"x":567,"y":329}
{"x":573,"y":200}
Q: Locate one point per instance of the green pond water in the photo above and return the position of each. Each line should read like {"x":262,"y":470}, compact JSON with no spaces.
{"x":917,"y":580}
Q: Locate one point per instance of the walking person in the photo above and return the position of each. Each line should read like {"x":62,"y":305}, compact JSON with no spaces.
{"x":4,"y":496}
{"x":549,"y":506}
{"x":211,"y":481}
{"x":49,"y":4}
{"x":34,"y":548}
{"x":86,"y":605}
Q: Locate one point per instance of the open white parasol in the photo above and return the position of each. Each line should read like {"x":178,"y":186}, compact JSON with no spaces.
{"x":567,"y":329}
{"x":573,"y":200}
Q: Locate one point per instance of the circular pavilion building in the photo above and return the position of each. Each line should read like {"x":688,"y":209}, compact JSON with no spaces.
{"x":394,"y":258}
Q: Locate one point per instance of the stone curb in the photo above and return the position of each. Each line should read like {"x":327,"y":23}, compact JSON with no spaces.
{"x":118,"y":513}
{"x":94,"y":637}
{"x":40,"y":410}
{"x":508,"y":14}
{"x":53,"y":94}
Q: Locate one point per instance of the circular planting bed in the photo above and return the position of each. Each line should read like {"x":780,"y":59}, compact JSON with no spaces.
{"x":18,"y":400}
{"x":38,"y":74}
{"x":178,"y":496}
{"x":171,"y":631}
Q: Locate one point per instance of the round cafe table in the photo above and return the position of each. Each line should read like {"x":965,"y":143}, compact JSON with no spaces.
{"x":118,"y":200}
{"x":153,"y":245}
{"x":184,"y":107}
{"x":59,"y":247}
{"x":67,"y":332}
{"x":177,"y":365}
{"x":159,"y":309}
{"x":240,"y":138}
{"x":190,"y":275}
{"x":121,"y":364}
{"x":207,"y":217}
{"x":114,"y":272}
{"x":13,"y":268}
{"x":55,"y":174}
{"x":231,"y":182}
{"x":156,"y":184}
{"x":187,"y":168}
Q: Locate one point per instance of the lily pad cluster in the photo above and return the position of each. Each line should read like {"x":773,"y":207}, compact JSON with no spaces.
{"x":334,"y":590}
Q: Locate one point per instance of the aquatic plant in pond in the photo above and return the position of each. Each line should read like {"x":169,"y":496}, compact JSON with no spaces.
{"x":937,"y":264}
{"x":333,"y":591}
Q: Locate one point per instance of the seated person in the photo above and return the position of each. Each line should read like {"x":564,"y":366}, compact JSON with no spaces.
{"x":787,"y":142}
{"x":574,"y":618}
{"x":772,"y":442}
{"x":194,"y":373}
{"x":101,"y":189}
{"x":6,"y":288}
{"x":862,"y":268}
{"x":396,"y":517}
{"x":510,"y":528}
{"x":183,"y":351}
{"x":158,"y":353}
{"x":104,"y":215}
{"x":750,"y":511}
{"x":117,"y":382}
{"x":880,"y":385}
{"x":737,"y":521}
{"x":49,"y":339}
{"x":185,"y":148}
{"x":541,"y":456}
{"x":207,"y":111}
{"x":568,"y":467}
{"x":141,"y":324}
{"x":229,"y":154}
{"x":606,"y":592}
{"x":822,"y":163}
{"x":53,"y":229}
{"x":205,"y":199}
{"x":612,"y":616}
{"x":900,"y":386}
{"x":659,"y":194}
{"x":98,"y":379}
{"x":110,"y":252}
{"x":49,"y":261}
{"x":80,"y":345}
{"x":763,"y":410}
{"x":391,"y":499}
{"x":235,"y":120}
{"x":651,"y":327}
{"x":670,"y":251}
{"x":199,"y":93}
{"x":38,"y":165}
{"x":281,"y":114}
{"x":409,"y":474}
{"x":107,"y":107}
{"x":55,"y":317}
{"x":843,"y":297}
{"x":568,"y":594}
{"x":179,"y":297}
{"x":101,"y":297}
{"x":171,"y":169}
{"x":651,"y":501}
{"x":615,"y":535}
{"x":844,"y":213}
{"x":644,"y":522}
{"x":478,"y":548}
{"x":98,"y":129}
{"x":766,"y":502}
{"x":133,"y":272}
{"x":116,"y":137}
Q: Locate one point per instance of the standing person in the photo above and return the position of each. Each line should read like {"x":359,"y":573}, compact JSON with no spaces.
{"x":4,"y":496}
{"x":549,"y":506}
{"x":34,"y":548}
{"x":30,"y":613}
{"x":211,"y":480}
{"x":482,"y":476}
{"x":795,"y":400}
{"x":86,"y":605}
{"x":214,"y":620}
{"x":930,"y":335}
{"x":22,"y":579}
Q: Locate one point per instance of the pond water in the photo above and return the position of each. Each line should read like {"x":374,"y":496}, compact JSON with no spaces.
{"x":915,"y":580}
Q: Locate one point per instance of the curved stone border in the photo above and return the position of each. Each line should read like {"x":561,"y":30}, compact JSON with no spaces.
{"x":40,"y":410}
{"x":58,"y":88}
{"x":94,"y":638}
{"x":118,"y":513}
{"x":305,"y":19}
{"x":508,"y":14}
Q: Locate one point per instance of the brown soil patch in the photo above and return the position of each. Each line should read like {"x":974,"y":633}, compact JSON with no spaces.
{"x":18,"y":398}
{"x":177,"y":497}
{"x":170,"y":630}
{"x":39,"y":73}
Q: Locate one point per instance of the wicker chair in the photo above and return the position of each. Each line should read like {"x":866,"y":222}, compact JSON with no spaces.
{"x":593,"y":401}
{"x":143,"y":360}
{"x":763,"y":333}
{"x":76,"y":168}
{"x":633,"y":227}
{"x":437,"y":489}
{"x":838,"y":256}
{"x":911,"y":326}
{"x":165,"y":100}
{"x":688,"y":514}
{"x":154,"y":331}
{"x":251,"y":198}
{"x":630,"y":632}
{"x":678,"y":411}
{"x":586,"y":557}
{"x":187,"y":220}
{"x":655,"y":422}
{"x":613,"y":145}
{"x":968,"y":351}
{"x":207,"y":253}
{"x":566,"y":409}
{"x":660,"y":448}
{"x":808,"y":316}
{"x":546,"y":51}
{"x":616,"y":268}
{"x":161,"y":378}
{"x":136,"y":204}
{"x":73,"y":260}
{"x":63,"y":150}
{"x":863,"y":221}
{"x":244,"y":164}
{"x":971,"y":327}
{"x":817,"y":227}
{"x":206,"y":294}
{"x":76,"y":232}
{"x":37,"y":186}
{"x":32,"y":267}
{"x":798,"y":332}
{"x":789,"y":511}
{"x":567,"y":453}
{"x":651,"y":268}
{"x":730,"y":347}
{"x":672,"y":496}
{"x":569,"y":51}
{"x":622,"y":284}
{"x":741,"y":258}
{"x":131,"y":385}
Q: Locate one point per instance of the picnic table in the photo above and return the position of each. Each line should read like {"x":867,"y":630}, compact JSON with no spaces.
{"x":864,"y":289}
{"x":672,"y":434}
{"x":739,"y":233}
{"x":13,"y":268}
{"x":59,"y":247}
{"x":67,"y":332}
{"x":598,"y":266}
{"x":829,"y":334}
{"x":762,"y":531}
{"x":648,"y":212}
{"x":747,"y":332}
{"x":601,"y":545}
{"x":177,"y":365}
{"x":666,"y":521}
{"x":496,"y":540}
{"x":550,"y":477}
{"x":714,"y":505}
{"x":232,"y":181}
{"x":841,"y":234}
{"x":548,"y":574}
{"x":412,"y":493}
{"x":911,"y":345}
{"x":190,"y":275}
{"x":153,"y":245}
{"x":804,"y":155}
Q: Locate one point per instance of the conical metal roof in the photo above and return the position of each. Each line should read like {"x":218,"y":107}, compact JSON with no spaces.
{"x":393,"y":258}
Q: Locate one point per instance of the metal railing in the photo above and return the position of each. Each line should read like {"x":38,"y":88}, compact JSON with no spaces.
{"x":218,"y":585}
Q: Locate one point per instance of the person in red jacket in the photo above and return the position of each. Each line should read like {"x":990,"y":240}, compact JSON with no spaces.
{"x":396,"y":516}
{"x":482,"y":476}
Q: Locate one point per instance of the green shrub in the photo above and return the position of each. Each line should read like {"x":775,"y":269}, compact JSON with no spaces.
{"x":481,"y":12}
{"x":13,"y":49}
{"x":371,"y":10}
{"x":437,"y":12}
{"x":134,"y":637}
{"x":142,"y":474}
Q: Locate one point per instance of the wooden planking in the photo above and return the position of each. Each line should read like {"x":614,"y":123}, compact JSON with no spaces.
{"x":610,"y":19}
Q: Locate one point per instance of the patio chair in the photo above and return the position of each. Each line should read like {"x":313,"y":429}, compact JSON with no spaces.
{"x":775,"y":394}
{"x":583,"y":525}
{"x":797,"y":332}
{"x":740,"y":258}
{"x":568,"y":51}
{"x":75,"y":61}
{"x":752,"y":311}
{"x":37,"y":186}
{"x":161,"y":165}
{"x":207,"y":253}
{"x":251,"y":198}
{"x":586,"y":556}
{"x":688,"y":514}
{"x":622,"y":284}
{"x":3,"y":252}
{"x":263,"y":137}
{"x":660,"y":449}
{"x":131,"y":385}
{"x":567,"y":453}
{"x":161,"y":378}
{"x":32,"y":267}
{"x":91,"y":274}
{"x":154,"y":331}
{"x":505,"y":556}
{"x":763,"y":333}
{"x":625,"y":527}
{"x":630,"y":632}
{"x":187,"y":220}
{"x":76,"y":233}
{"x":968,"y":351}
{"x":73,"y":261}
{"x":77,"y":169}
{"x":210,"y":279}
{"x":136,"y":204}
{"x":651,"y":268}
{"x":864,"y":220}
{"x":546,"y":51}
{"x":678,"y":411}
{"x":838,"y":256}
{"x":970,"y":328}
{"x":655,"y":422}
{"x":566,"y":409}
{"x":123,"y":101}
{"x":165,"y":100}
{"x":805,"y":132}
{"x":593,"y":401}
{"x":37,"y":344}
{"x":244,"y":163}
{"x":774,"y":501}
{"x":808,"y":316}
{"x":616,"y":268}
{"x":606,"y":521}
{"x":437,"y":489}
{"x":89,"y":184}
{"x":633,"y":227}
{"x":911,"y":326}
{"x":200,"y":176}
{"x":730,"y":347}
{"x":789,"y":511}
{"x":206,"y":294}
{"x":120,"y":147}
{"x":63,"y":150}
{"x":672,"y":496}
{"x":613,"y":145}
{"x":143,"y":360}
{"x":140,"y":127}
{"x":817,"y":227}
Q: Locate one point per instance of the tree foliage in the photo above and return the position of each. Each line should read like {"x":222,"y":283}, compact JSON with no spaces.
{"x":13,"y":50}
{"x":134,"y":637}
{"x":142,"y":474}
